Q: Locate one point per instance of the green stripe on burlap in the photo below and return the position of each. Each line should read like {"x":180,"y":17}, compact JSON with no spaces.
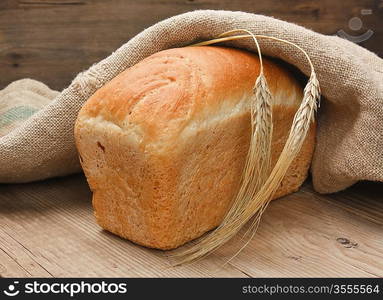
{"x":16,"y":114}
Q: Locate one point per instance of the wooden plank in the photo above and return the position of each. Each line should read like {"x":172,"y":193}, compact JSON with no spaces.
{"x":53,"y":40}
{"x":9,"y":267}
{"x":47,"y":229}
{"x":364,"y":199}
{"x":307,"y":234}
{"x":52,"y":228}
{"x":23,"y":261}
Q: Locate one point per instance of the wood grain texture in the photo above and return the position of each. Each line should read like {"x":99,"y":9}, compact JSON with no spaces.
{"x":48,"y":229}
{"x":53,"y":40}
{"x":307,"y":234}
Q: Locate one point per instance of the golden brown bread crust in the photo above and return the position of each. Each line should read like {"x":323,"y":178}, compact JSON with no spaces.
{"x":163,"y":144}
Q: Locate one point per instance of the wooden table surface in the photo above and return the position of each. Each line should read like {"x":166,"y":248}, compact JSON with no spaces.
{"x":48,"y":229}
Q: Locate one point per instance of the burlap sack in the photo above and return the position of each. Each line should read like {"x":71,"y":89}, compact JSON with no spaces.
{"x":350,"y":136}
{"x":20,"y":100}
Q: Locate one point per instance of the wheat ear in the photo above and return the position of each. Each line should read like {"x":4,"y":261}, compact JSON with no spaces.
{"x":258,"y":160}
{"x":254,"y":194}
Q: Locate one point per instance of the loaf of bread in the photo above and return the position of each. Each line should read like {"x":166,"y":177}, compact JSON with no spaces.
{"x":164,"y":143}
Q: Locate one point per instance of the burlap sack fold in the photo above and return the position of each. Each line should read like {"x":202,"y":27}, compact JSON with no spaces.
{"x":20,"y":100}
{"x":350,"y":134}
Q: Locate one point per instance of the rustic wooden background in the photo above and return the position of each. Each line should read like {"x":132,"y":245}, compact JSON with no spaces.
{"x":47,"y":229}
{"x":53,"y":40}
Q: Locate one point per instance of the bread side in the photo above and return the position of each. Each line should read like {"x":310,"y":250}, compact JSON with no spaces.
{"x":164,"y":143}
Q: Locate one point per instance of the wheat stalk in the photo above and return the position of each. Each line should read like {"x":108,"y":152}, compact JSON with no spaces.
{"x":258,"y":160}
{"x":258,"y":184}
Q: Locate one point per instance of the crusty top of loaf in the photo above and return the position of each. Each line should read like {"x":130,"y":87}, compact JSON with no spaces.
{"x":176,"y":90}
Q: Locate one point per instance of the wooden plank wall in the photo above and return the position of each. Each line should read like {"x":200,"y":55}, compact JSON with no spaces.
{"x":53,"y":40}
